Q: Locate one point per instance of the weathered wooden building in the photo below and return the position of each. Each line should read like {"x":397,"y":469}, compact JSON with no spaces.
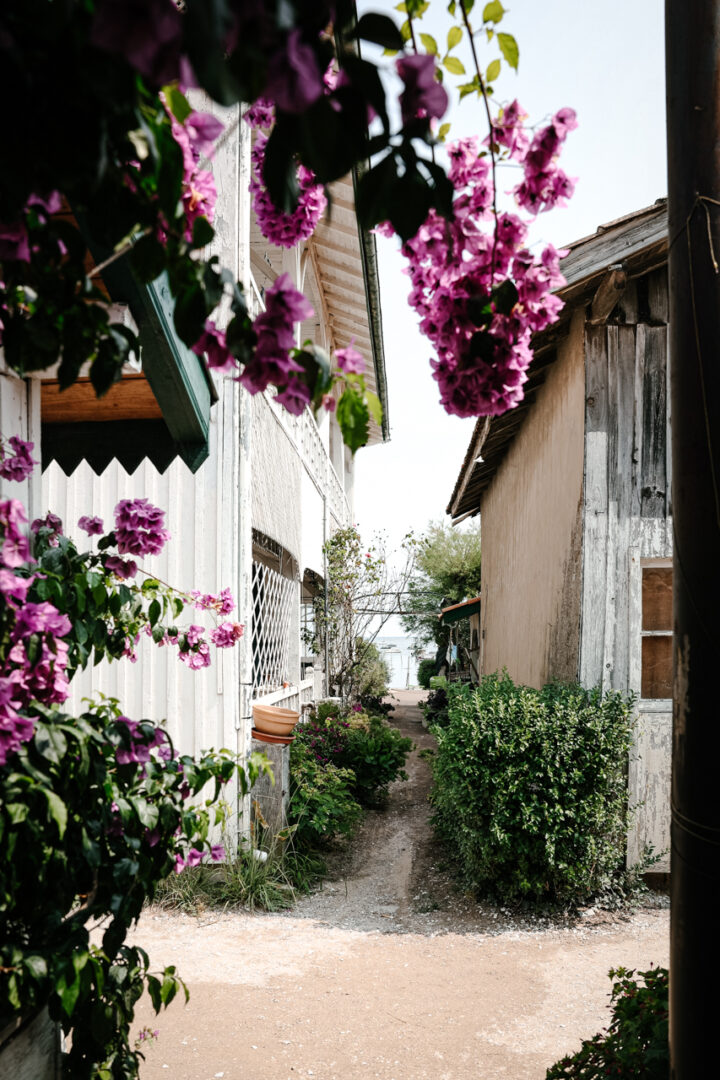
{"x":574,"y":489}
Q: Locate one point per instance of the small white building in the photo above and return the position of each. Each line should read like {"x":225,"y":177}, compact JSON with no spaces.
{"x":250,"y":492}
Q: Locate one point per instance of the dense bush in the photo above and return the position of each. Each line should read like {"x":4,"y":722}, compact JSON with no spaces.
{"x":530,"y":788}
{"x":436,"y":707}
{"x":426,"y":669}
{"x":375,"y":752}
{"x":635,"y":1044}
{"x":321,"y":798}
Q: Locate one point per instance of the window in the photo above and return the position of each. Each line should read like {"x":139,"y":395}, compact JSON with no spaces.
{"x":657,"y":623}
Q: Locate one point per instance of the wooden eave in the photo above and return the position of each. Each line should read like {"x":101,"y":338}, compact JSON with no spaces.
{"x":637,"y":243}
{"x":457,"y":612}
{"x":344,"y":260}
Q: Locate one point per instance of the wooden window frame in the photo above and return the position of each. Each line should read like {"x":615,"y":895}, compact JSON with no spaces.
{"x":652,"y":564}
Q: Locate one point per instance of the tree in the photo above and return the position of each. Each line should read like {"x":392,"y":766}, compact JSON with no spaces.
{"x":446,"y":570}
{"x":362,"y":594}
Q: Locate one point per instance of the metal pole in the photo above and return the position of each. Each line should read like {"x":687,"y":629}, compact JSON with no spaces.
{"x":693,"y":115}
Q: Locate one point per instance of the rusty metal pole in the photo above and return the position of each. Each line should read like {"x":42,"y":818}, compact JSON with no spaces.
{"x":693,"y":125}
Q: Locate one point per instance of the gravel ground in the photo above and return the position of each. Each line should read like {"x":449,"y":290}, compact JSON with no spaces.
{"x":388,"y":971}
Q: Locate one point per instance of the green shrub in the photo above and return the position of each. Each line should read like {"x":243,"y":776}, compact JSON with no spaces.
{"x":530,"y":788}
{"x":438,"y":682}
{"x":426,"y":670}
{"x":635,"y":1044}
{"x":436,"y":708}
{"x":321,"y":798}
{"x":375,"y":753}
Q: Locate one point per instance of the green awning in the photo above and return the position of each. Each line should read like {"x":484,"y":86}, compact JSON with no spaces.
{"x":457,"y":612}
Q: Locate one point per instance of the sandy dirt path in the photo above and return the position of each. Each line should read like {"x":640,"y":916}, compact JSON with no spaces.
{"x":388,"y":972}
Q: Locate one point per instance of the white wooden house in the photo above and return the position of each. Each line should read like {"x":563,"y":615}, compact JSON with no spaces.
{"x":250,"y":492}
{"x":574,"y":492}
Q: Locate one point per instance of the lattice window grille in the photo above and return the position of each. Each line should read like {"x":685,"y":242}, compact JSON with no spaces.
{"x":273,"y":600}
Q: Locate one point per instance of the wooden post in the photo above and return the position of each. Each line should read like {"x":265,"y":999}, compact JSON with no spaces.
{"x":693,"y":114}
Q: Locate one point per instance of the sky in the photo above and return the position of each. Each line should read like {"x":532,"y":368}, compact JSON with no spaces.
{"x":606,"y":60}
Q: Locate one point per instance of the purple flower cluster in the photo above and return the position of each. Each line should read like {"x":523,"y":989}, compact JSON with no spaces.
{"x":261,"y":114}
{"x":223,"y":603}
{"x":196,"y":855}
{"x":455,"y":267}
{"x":15,"y":239}
{"x":18,"y":465}
{"x":139,"y":528}
{"x":138,"y":742}
{"x":196,"y":653}
{"x":93,"y":526}
{"x":35,"y":659}
{"x":275,"y":329}
{"x":213,"y":346}
{"x":51,"y":525}
{"x":423,"y":95}
{"x":226,"y":635}
{"x":279,"y":228}
{"x":196,"y":140}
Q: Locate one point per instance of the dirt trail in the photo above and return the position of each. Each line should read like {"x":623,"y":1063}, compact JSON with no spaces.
{"x":388,"y":972}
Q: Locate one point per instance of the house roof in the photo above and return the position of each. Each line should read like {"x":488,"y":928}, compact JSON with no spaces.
{"x":457,"y":612}
{"x":347,"y":299}
{"x":632,"y":245}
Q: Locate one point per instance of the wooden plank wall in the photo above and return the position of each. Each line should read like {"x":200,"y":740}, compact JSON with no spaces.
{"x":627,"y":521}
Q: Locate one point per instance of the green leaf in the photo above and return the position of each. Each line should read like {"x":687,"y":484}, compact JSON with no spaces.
{"x":374,"y":404}
{"x":154,"y":612}
{"x":50,"y":743}
{"x":469,"y":88}
{"x":148,"y":258}
{"x":202,"y":233}
{"x":493,"y":70}
{"x":454,"y":37}
{"x":453,"y":65}
{"x":493,"y":12}
{"x":509,"y":49}
{"x":353,"y":417}
{"x":443,"y":132}
{"x":178,"y":104}
{"x":380,"y":29}
{"x":430,"y":43}
{"x":57,"y":809}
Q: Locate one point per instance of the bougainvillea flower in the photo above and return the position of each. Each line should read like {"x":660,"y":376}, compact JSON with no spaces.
{"x":148,"y":33}
{"x":423,"y":94}
{"x":93,"y":526}
{"x":139,"y":527}
{"x":203,"y":129}
{"x":225,"y":635}
{"x":294,"y":80}
{"x":14,"y":244}
{"x":211,"y":344}
{"x":18,"y":465}
{"x":122,"y":568}
{"x":350,"y":360}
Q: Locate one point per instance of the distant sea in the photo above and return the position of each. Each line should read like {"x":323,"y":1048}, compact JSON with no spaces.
{"x":397,"y":653}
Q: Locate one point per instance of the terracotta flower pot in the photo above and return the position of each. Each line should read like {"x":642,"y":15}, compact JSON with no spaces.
{"x":280,"y":740}
{"x":273,"y":720}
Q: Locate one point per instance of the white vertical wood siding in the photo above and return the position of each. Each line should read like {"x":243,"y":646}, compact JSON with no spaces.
{"x":200,"y":707}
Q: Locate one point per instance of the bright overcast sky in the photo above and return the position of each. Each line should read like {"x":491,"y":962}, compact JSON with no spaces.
{"x":605,"y":59}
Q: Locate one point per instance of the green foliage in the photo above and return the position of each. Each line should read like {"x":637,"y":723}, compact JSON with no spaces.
{"x":371,"y":672}
{"x":436,"y":707}
{"x":530,"y":788}
{"x":375,"y":753}
{"x":321,"y":798}
{"x":426,"y":669}
{"x":87,"y":835}
{"x":635,"y":1045}
{"x":446,"y":571}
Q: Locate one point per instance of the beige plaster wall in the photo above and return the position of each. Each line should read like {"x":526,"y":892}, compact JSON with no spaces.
{"x":531,"y":532}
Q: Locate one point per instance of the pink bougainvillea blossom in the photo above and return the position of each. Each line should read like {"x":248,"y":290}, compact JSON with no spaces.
{"x":122,"y":568}
{"x":203,"y":129}
{"x":350,"y":360}
{"x":226,"y":635}
{"x":51,"y":524}
{"x":16,"y":547}
{"x":479,"y":291}
{"x":294,"y":80}
{"x":423,"y":94}
{"x":148,"y":33}
{"x":223,"y":603}
{"x":211,"y":344}
{"x":139,"y":527}
{"x":275,"y":329}
{"x":279,"y":228}
{"x":93,"y":526}
{"x":261,"y":114}
{"x":19,"y":464}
